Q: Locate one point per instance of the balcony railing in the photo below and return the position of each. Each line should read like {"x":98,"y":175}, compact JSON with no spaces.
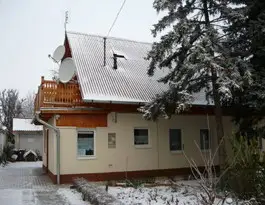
{"x":54,"y":94}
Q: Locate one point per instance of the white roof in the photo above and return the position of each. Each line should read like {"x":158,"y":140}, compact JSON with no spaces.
{"x":129,"y":83}
{"x":20,"y":124}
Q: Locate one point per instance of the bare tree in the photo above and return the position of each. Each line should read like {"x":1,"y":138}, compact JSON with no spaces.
{"x":28,"y":105}
{"x":11,"y":107}
{"x":208,"y":179}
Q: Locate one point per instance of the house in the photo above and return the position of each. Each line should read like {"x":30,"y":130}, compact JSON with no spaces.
{"x":92,"y":125}
{"x":28,"y":136}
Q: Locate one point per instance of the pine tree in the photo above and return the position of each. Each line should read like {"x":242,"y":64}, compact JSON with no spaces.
{"x":196,"y":53}
{"x":247,"y":38}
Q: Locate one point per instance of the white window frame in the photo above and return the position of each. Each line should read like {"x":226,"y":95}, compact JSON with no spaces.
{"x":210,"y":139}
{"x":86,"y":131}
{"x":149,"y":138}
{"x":182,"y":142}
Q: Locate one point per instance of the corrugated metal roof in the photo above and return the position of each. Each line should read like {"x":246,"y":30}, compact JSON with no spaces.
{"x":129,"y":83}
{"x":20,"y":124}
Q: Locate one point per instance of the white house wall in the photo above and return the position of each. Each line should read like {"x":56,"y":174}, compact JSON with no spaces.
{"x":52,"y":148}
{"x":126,"y":156}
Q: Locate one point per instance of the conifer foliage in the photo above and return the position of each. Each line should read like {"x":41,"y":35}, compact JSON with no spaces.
{"x":193,"y":49}
{"x":247,"y":39}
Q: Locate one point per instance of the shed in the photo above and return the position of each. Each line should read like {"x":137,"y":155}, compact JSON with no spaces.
{"x":28,"y":136}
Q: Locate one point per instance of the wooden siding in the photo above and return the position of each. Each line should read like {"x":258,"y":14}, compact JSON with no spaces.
{"x":89,"y":120}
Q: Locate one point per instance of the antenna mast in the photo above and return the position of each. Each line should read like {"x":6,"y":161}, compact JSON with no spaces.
{"x":65,"y":20}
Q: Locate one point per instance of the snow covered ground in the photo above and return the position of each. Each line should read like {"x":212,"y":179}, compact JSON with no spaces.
{"x":23,"y":165}
{"x":23,"y":183}
{"x":184,"y":194}
{"x":72,"y":196}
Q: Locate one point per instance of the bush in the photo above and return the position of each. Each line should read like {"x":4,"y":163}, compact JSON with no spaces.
{"x":136,"y":183}
{"x":39,"y":157}
{"x":8,"y":151}
{"x":246,"y":172}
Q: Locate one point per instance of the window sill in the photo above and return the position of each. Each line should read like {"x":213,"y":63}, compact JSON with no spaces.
{"x":177,"y":152}
{"x":86,"y":157}
{"x":143,"y":146}
{"x":206,"y":150}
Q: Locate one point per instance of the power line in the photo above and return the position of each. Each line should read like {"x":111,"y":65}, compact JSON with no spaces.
{"x":116,"y":18}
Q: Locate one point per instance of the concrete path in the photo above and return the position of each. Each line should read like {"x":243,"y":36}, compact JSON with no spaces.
{"x":23,"y":183}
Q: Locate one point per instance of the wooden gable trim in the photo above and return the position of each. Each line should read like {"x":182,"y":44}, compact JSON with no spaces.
{"x":95,"y":118}
{"x":88,"y":120}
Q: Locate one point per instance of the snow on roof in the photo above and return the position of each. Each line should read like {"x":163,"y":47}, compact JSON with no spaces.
{"x":20,"y":124}
{"x":128,"y":83}
{"x":28,"y":152}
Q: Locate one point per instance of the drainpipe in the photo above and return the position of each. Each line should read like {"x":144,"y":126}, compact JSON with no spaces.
{"x":158,"y":147}
{"x":57,"y":131}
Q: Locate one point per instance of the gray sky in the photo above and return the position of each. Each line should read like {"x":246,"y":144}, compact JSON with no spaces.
{"x":31,"y":29}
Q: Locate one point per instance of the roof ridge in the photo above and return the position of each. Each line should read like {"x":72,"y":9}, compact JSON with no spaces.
{"x":110,"y":37}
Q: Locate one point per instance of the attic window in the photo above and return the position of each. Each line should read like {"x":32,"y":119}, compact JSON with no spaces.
{"x":115,"y":57}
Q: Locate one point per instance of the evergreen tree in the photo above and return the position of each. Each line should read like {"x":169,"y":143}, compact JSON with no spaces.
{"x":247,"y":38}
{"x":11,"y":107}
{"x":198,"y":58}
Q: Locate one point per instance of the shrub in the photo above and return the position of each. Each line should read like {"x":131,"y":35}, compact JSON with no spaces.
{"x":7,"y":153}
{"x":246,"y":172}
{"x":136,"y":183}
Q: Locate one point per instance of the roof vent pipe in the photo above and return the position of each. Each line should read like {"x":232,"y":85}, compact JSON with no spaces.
{"x":105,"y":38}
{"x":115,"y":66}
{"x":115,"y":57}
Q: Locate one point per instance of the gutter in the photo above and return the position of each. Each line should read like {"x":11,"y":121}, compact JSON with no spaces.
{"x":57,"y":131}
{"x":114,"y":102}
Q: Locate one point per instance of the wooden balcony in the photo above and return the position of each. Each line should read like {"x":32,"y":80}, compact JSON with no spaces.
{"x":54,"y":94}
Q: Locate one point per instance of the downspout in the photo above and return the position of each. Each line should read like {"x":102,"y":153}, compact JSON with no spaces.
{"x":158,"y":147}
{"x":57,"y":131}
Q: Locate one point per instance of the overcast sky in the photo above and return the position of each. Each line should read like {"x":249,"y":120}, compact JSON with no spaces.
{"x":31,"y":29}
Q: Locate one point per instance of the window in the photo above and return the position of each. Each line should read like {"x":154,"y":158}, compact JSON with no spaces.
{"x":141,"y":136}
{"x":86,"y":143}
{"x":204,"y":139}
{"x":175,"y":141}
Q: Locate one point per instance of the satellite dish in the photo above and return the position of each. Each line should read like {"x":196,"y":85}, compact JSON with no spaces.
{"x":66,"y":70}
{"x":58,"y":53}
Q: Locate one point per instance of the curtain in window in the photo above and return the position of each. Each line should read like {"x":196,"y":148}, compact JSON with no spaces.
{"x":204,"y":139}
{"x":175,"y":139}
{"x":85,"y":144}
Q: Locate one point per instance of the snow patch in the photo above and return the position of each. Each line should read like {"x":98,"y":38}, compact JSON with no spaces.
{"x":37,"y":164}
{"x":28,"y":152}
{"x":182,"y":194}
{"x":72,"y":196}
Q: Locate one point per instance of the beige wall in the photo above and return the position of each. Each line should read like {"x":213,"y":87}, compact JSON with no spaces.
{"x":29,"y":140}
{"x":44,"y":155}
{"x":126,"y":156}
{"x":51,"y":147}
